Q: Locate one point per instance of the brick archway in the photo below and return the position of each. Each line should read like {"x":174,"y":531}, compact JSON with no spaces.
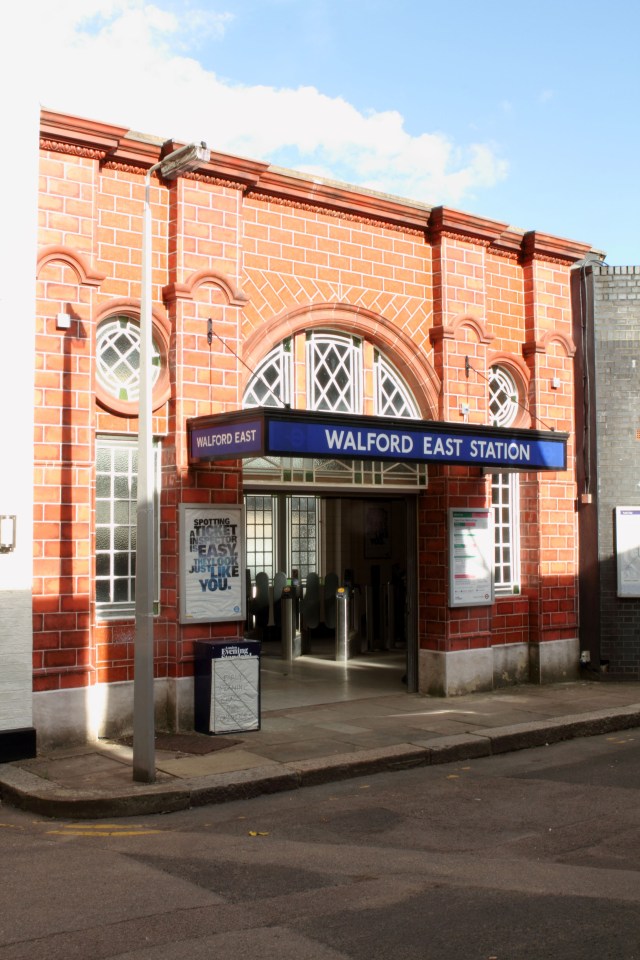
{"x":396,"y":345}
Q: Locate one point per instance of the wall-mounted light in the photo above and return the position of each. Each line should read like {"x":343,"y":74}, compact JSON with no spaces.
{"x":7,"y":532}
{"x":555,"y":383}
{"x":63,"y":320}
{"x":183,"y":160}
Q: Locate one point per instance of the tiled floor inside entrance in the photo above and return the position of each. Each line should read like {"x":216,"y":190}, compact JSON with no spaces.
{"x":311,"y":680}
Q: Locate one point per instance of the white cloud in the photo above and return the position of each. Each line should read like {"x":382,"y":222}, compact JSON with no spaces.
{"x":125,"y":62}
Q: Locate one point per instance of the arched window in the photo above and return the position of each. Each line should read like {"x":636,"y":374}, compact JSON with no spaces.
{"x":118,"y":358}
{"x":505,"y":489}
{"x":503,"y":397}
{"x":334,"y":372}
{"x":392,"y":396}
{"x":118,"y":390}
{"x":332,"y":376}
{"x":270,"y":385}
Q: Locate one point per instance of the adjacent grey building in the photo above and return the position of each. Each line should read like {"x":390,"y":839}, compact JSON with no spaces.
{"x":607,"y":337}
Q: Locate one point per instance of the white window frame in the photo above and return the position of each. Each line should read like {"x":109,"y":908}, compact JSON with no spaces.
{"x":503,"y":584}
{"x":115,"y":609}
{"x":109,"y":333}
{"x":385,"y":373}
{"x":257,"y":530}
{"x":506,"y":535}
{"x":280,"y":538}
{"x":272,"y":378}
{"x":349,"y":351}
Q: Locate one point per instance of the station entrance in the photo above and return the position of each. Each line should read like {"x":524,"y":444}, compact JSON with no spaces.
{"x":347,"y":566}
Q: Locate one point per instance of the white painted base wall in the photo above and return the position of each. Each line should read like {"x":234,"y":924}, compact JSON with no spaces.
{"x":68,"y":717}
{"x":15,"y":652}
{"x":452,"y":674}
{"x":472,"y":671}
{"x":555,"y":661}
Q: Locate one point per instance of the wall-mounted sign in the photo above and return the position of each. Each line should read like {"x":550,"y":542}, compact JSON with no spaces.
{"x":628,"y":551}
{"x":232,"y":440}
{"x":470,"y":557}
{"x":301,"y":433}
{"x":212,"y":565}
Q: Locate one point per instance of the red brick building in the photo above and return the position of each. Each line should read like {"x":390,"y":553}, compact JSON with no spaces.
{"x":270,"y":288}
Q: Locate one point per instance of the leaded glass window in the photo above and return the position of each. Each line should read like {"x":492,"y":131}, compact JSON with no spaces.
{"x":503,"y":397}
{"x":332,"y":377}
{"x":505,"y":488}
{"x":334,"y":372}
{"x":392,"y":397}
{"x":304,"y":534}
{"x":270,"y":385}
{"x":297,"y":550}
{"x":326,"y":473}
{"x":116,"y":520}
{"x":259,"y":522}
{"x":118,"y":358}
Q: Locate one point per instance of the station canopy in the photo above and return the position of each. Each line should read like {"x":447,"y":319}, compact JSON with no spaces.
{"x":269,"y":431}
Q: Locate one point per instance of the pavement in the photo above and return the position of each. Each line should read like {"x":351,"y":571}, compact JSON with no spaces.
{"x":306,"y":745}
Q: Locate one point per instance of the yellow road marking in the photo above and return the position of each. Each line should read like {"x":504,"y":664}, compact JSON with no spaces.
{"x":101,"y":830}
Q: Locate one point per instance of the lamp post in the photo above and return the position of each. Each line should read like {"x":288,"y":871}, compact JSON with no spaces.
{"x":170,"y":167}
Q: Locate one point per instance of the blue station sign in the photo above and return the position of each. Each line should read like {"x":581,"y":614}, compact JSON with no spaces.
{"x":300,"y":433}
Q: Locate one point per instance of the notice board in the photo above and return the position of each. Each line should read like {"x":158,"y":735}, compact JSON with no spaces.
{"x":470,"y":557}
{"x":627,"y":542}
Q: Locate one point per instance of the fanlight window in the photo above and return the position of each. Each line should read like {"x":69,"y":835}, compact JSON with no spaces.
{"x":334,"y":373}
{"x":332,"y":379}
{"x":270,"y":385}
{"x":392,"y":396}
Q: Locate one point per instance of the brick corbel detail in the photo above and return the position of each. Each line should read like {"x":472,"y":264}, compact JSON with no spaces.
{"x":186,"y":291}
{"x":450,"y":331}
{"x":542,"y":344}
{"x":85,"y":273}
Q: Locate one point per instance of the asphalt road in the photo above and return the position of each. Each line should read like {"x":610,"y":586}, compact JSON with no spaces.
{"x":520,"y":857}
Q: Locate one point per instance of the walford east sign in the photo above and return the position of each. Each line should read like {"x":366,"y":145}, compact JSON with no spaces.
{"x":301,"y":433}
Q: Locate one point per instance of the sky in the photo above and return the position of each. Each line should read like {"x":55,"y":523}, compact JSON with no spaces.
{"x":521,"y":113}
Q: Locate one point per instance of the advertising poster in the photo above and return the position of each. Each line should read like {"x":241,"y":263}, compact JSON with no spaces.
{"x":212,"y":565}
{"x":470,"y":557}
{"x":628,"y":551}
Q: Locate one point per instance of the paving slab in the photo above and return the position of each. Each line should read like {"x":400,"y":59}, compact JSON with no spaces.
{"x":300,"y":745}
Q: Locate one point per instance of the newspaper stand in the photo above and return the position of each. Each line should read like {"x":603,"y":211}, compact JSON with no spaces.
{"x":227,"y":686}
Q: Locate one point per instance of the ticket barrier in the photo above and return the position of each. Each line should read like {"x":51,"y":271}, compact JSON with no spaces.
{"x":291,"y":639}
{"x":343,"y":645}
